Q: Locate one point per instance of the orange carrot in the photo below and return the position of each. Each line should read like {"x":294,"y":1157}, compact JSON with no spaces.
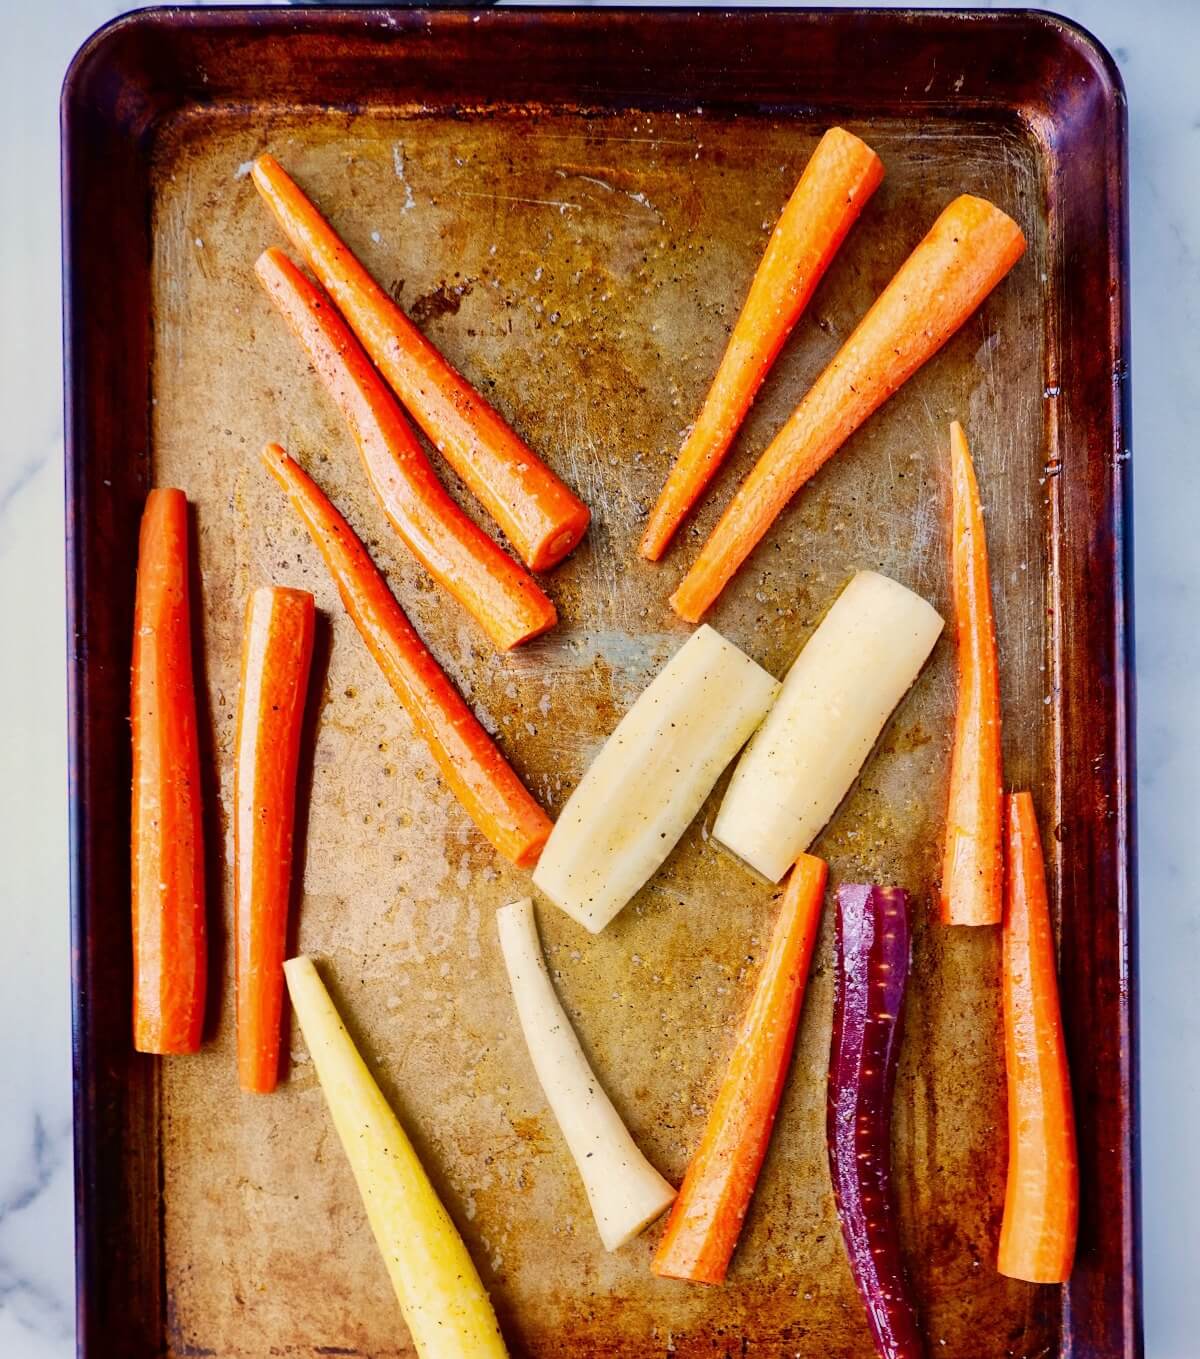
{"x":540,"y":516}
{"x":1041,"y":1205}
{"x":276,"y":654}
{"x":470,"y":762}
{"x":969,"y":249}
{"x":169,"y":940}
{"x":503,"y":597}
{"x":833,"y":190}
{"x":707,"y":1216}
{"x":972,"y":890}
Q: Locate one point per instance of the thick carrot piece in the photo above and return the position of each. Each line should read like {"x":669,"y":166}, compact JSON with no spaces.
{"x":1041,"y":1205}
{"x":470,"y":761}
{"x":840,"y":177}
{"x":170,"y":960}
{"x":969,"y":249}
{"x":539,"y":515}
{"x":972,"y":891}
{"x":707,"y":1216}
{"x":507,"y":602}
{"x":276,"y":655}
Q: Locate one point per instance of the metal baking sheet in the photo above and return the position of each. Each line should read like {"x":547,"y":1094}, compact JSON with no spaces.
{"x":582,"y":258}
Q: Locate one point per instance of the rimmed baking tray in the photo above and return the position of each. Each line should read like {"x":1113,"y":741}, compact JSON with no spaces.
{"x":572,"y":202}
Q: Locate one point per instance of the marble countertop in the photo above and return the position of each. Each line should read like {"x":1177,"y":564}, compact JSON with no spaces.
{"x":1157,"y":45}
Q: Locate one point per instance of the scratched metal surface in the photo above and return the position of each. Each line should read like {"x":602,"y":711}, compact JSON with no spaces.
{"x":585,"y":272}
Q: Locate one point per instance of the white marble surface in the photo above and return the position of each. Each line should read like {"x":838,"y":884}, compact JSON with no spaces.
{"x":1157,"y":44}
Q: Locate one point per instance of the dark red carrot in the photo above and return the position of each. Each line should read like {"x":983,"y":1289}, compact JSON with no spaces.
{"x":471,"y":763}
{"x":706,"y":1218}
{"x":837,"y":181}
{"x":499,"y":593}
{"x":871,"y":956}
{"x":539,"y":515}
{"x":276,"y":653}
{"x":169,"y":948}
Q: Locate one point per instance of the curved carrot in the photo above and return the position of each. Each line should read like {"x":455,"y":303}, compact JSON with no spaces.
{"x":707,"y":1216}
{"x":503,"y":597}
{"x":169,"y":938}
{"x":969,"y":249}
{"x":1041,"y":1205}
{"x":276,"y":654}
{"x":833,"y":190}
{"x":469,"y":760}
{"x":540,"y":516}
{"x":972,"y":891}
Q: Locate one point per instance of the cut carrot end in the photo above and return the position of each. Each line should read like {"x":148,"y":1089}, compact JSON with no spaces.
{"x":972,"y":889}
{"x":1041,"y":1204}
{"x":706,"y":1219}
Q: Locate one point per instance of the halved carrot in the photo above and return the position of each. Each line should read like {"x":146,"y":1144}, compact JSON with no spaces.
{"x":470,"y":762}
{"x":972,"y":891}
{"x":277,"y":649}
{"x":169,"y":936}
{"x":501,"y":595}
{"x":969,"y":249}
{"x":540,"y":516}
{"x":841,"y":175}
{"x":1041,"y":1205}
{"x":707,"y":1217}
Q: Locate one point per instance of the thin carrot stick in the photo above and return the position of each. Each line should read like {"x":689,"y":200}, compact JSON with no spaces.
{"x":1041,"y":1205}
{"x":833,"y":190}
{"x":276,"y":654}
{"x":969,"y":249}
{"x":470,"y":762}
{"x":972,"y":891}
{"x":707,"y":1217}
{"x":169,"y":938}
{"x":503,"y":597}
{"x":540,"y":516}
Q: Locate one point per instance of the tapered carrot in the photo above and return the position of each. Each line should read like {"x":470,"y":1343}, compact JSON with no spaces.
{"x":972,"y":891}
{"x":969,"y":249}
{"x":276,"y":654}
{"x":833,"y":190}
{"x":499,"y":593}
{"x":169,"y":937}
{"x":470,"y":762}
{"x":541,"y":517}
{"x":707,"y":1217}
{"x":1041,"y":1205}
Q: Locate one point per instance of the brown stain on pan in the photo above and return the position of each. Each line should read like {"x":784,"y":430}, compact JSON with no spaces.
{"x":594,"y":319}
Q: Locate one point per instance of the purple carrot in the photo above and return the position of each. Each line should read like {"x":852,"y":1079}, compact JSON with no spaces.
{"x":871,"y":956}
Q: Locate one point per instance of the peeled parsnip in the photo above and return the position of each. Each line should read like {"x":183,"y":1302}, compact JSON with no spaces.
{"x":444,"y":1303}
{"x":625,"y":1191}
{"x":836,"y":698}
{"x":652,"y":776}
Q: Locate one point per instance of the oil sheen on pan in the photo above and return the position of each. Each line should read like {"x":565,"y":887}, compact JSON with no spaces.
{"x":584,"y":273}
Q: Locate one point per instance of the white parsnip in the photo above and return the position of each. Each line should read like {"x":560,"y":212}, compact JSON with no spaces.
{"x":441,"y":1295}
{"x":836,"y":698}
{"x":651,"y":777}
{"x":626,"y":1193}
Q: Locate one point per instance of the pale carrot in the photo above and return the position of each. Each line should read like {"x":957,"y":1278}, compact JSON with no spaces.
{"x":972,"y":891}
{"x":707,"y":1216}
{"x":1041,"y":1205}
{"x":540,"y":516}
{"x":169,"y":936}
{"x":499,"y":593}
{"x":470,"y":762}
{"x":833,"y":190}
{"x":276,"y":654}
{"x":969,"y":249}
